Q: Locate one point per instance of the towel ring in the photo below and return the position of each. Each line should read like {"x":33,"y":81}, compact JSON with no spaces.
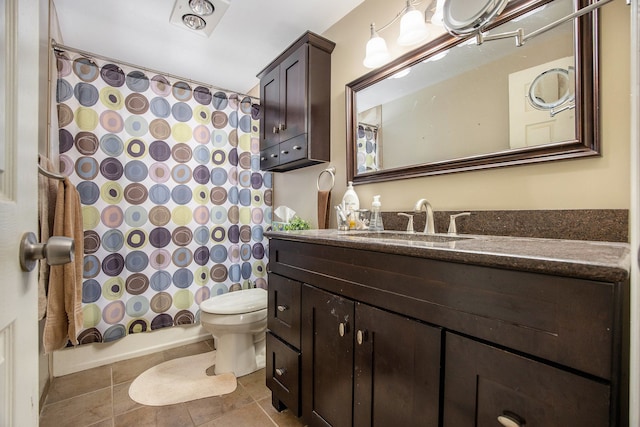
{"x":331,"y":170}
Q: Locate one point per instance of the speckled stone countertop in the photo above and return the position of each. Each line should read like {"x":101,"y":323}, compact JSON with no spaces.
{"x":606,"y":261}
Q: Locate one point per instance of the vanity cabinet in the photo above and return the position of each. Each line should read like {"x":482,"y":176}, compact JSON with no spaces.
{"x":363,"y":366}
{"x":389,"y":338}
{"x":295,"y":94}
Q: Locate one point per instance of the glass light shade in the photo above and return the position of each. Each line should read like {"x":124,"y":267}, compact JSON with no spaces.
{"x":377,"y":52}
{"x":201,"y":7}
{"x":194,"y":22}
{"x":413,"y":29}
{"x":436,"y":19}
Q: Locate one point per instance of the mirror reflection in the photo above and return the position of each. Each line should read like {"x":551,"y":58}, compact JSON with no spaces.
{"x":471,"y":101}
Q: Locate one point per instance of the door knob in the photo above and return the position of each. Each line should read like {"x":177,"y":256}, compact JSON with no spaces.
{"x":58,"y":250}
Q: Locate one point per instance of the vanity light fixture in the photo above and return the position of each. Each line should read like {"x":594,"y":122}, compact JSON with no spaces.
{"x":414,"y":29}
{"x":198,"y":16}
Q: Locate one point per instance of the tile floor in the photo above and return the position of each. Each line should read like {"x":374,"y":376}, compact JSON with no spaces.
{"x":99,"y":397}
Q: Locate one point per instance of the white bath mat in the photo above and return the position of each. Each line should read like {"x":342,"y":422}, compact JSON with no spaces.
{"x":181,"y":380}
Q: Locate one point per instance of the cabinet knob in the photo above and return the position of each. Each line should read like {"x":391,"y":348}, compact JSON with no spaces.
{"x":509,"y":419}
{"x":297,"y":147}
{"x":343,"y":328}
{"x":262,"y":159}
{"x":284,"y":152}
{"x":282,"y":308}
{"x":361,"y":336}
{"x":275,"y":129}
{"x":282,"y":127}
{"x":280,"y":371}
{"x":273,"y":156}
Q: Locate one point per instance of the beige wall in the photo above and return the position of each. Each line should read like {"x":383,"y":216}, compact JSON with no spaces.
{"x":574,"y":184}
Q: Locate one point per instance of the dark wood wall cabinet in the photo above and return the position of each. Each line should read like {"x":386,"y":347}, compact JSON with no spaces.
{"x":365,"y":338}
{"x":295,"y":97}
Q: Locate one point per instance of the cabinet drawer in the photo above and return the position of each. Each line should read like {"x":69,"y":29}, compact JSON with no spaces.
{"x":283,"y":373}
{"x":269,"y":157}
{"x":283,"y":317}
{"x":293,"y":149}
{"x":484,"y":382}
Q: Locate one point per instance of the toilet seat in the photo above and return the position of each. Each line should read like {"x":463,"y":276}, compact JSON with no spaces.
{"x":246,"y":301}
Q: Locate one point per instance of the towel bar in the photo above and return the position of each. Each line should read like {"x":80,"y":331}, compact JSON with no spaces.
{"x":48,"y":174}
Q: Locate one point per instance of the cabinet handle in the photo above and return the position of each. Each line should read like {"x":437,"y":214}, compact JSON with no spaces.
{"x":280,"y":371}
{"x":282,"y":308}
{"x":297,"y":147}
{"x":509,"y":419}
{"x":361,"y":336}
{"x":273,"y":156}
{"x":343,"y":328}
{"x":284,"y":152}
{"x":282,"y":127}
{"x":275,"y":129}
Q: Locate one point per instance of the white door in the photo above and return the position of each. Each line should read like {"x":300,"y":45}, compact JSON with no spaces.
{"x":19,"y":97}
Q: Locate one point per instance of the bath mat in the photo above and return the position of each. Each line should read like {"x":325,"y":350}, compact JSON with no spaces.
{"x":180,"y":380}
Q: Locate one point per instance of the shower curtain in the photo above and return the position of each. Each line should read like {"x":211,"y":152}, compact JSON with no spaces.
{"x":174,"y":205}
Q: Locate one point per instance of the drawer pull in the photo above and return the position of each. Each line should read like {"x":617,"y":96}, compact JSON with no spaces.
{"x":274,"y":156}
{"x":282,"y":308}
{"x":509,"y":419}
{"x":343,"y":328}
{"x":262,"y":159}
{"x":280,"y":371}
{"x":297,"y":147}
{"x":284,"y":152}
{"x":361,"y":336}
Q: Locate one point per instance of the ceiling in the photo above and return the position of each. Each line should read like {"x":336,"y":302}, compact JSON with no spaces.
{"x":250,"y":35}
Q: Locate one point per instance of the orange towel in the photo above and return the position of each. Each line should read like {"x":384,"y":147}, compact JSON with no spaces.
{"x":47,"y":189}
{"x":324,"y":211}
{"x":64,"y":302}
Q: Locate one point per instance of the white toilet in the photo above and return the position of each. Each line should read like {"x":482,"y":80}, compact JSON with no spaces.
{"x":238,"y":321}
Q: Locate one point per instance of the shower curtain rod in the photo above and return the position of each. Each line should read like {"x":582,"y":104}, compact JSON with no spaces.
{"x":60,"y":47}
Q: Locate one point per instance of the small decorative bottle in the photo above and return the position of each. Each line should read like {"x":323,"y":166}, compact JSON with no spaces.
{"x":375,"y":224}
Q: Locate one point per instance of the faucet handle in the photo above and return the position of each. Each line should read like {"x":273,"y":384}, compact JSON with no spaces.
{"x":410,"y":224}
{"x":452,"y":222}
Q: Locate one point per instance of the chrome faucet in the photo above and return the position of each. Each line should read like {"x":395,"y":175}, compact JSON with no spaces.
{"x":429,"y":227}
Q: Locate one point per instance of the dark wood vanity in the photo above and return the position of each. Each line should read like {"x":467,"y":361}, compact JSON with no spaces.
{"x":366,"y":331}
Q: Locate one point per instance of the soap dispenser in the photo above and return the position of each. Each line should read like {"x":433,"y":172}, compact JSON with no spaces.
{"x":375,"y":224}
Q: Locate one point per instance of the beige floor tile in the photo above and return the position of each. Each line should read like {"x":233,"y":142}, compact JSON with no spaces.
{"x":128,"y":370}
{"x":204,"y":410}
{"x":248,"y":416}
{"x":187,"y":350}
{"x":155,"y":416}
{"x":121,"y":401}
{"x":79,"y":411}
{"x":79,"y":383}
{"x":104,"y":423}
{"x":255,"y":384}
{"x":282,"y":419}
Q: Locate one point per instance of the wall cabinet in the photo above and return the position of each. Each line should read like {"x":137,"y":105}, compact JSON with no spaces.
{"x":384,"y":339}
{"x":295,"y":102}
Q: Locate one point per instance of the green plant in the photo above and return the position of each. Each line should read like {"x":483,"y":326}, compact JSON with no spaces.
{"x":297,"y":223}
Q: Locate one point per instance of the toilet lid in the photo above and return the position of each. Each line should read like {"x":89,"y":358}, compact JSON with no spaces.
{"x":244,"y":301}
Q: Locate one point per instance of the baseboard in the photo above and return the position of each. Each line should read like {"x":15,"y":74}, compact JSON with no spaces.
{"x":83,"y":357}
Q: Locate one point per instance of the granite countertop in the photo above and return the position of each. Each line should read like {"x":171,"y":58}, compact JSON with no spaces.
{"x":591,"y":260}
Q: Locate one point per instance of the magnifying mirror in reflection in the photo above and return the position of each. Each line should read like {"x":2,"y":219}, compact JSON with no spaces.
{"x":553,"y":90}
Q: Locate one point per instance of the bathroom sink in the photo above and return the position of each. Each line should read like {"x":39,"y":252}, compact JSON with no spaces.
{"x":413,"y":237}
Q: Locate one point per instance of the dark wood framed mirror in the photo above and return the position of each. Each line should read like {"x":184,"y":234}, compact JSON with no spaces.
{"x":464,"y":106}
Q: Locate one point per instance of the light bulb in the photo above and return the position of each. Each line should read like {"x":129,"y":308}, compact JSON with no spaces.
{"x":377,"y":53}
{"x":194,"y":22}
{"x":201,"y":7}
{"x":436,"y":19}
{"x":413,"y":29}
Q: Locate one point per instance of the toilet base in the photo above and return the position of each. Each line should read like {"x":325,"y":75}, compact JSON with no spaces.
{"x":241,"y":354}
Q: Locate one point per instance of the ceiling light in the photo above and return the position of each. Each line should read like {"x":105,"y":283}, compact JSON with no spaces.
{"x":413,"y":30}
{"x":436,"y":19}
{"x":194,"y":22}
{"x":201,"y":7}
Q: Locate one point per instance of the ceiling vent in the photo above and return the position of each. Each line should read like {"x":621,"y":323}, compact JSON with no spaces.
{"x":198,"y":16}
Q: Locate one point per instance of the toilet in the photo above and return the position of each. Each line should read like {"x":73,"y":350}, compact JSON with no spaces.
{"x":238,"y":321}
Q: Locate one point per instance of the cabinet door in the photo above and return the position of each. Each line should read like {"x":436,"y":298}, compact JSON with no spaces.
{"x":293,"y":94}
{"x":483,"y":383}
{"x":327,"y":358}
{"x":397,"y":370}
{"x":270,"y":105}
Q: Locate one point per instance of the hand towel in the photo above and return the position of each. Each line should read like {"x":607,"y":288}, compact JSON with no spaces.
{"x":47,"y":189}
{"x":64,"y":301}
{"x":324,"y":211}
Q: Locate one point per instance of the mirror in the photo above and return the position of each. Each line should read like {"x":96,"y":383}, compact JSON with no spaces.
{"x":469,"y":16}
{"x":453,"y":105}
